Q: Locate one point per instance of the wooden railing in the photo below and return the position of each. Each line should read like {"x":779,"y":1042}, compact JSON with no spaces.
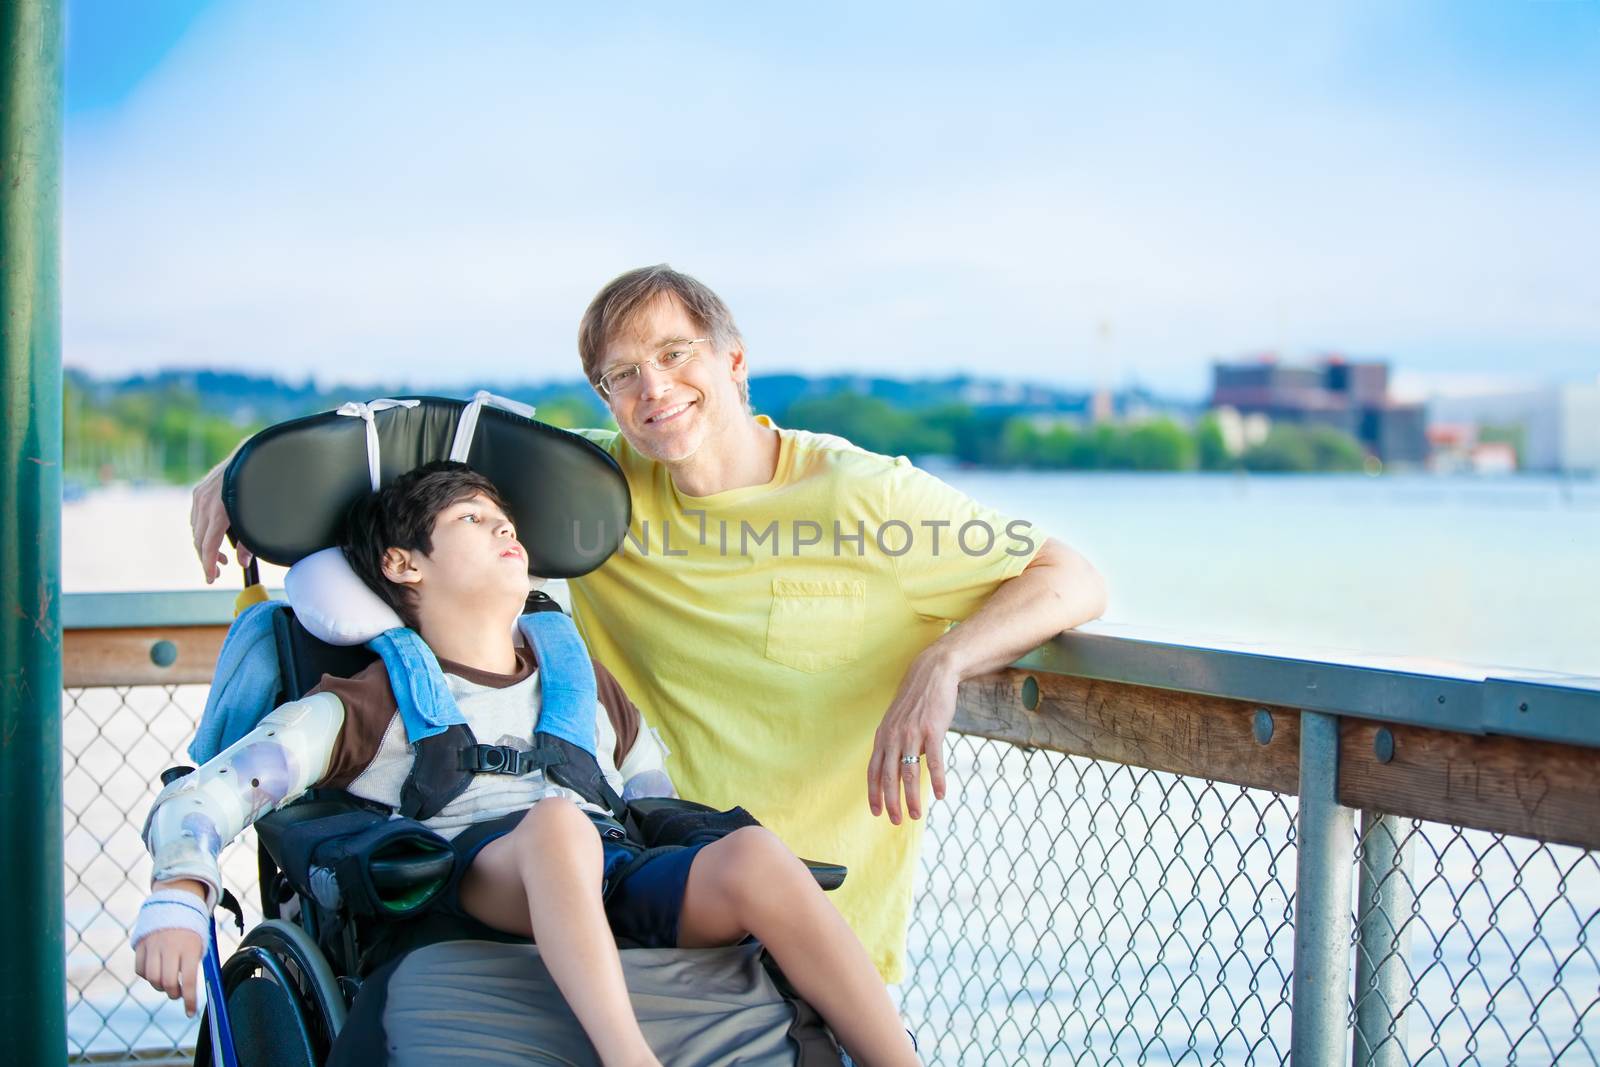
{"x":1405,"y":744}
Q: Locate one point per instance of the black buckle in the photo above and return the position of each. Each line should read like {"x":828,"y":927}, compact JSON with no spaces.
{"x":610,"y":829}
{"x":506,"y":759}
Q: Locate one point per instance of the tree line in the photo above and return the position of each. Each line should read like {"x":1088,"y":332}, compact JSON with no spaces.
{"x":995,"y":438}
{"x":167,"y":431}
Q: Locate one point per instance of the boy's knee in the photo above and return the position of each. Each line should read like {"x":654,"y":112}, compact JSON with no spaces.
{"x":752,"y":862}
{"x":557,"y":823}
{"x":754,"y":845}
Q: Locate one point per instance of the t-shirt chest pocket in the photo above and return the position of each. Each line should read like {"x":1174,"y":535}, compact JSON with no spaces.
{"x":815,"y":626}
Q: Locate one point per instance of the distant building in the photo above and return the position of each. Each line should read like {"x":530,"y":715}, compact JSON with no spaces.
{"x":1395,"y":433}
{"x":1455,"y":449}
{"x":1352,"y":397}
{"x":1558,"y":426}
{"x":1494,"y":457}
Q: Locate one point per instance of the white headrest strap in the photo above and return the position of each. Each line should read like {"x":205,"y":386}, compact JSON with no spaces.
{"x":467,"y":425}
{"x":365,"y":412}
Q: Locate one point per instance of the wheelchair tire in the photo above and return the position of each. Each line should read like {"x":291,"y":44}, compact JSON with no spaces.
{"x":284,"y":1003}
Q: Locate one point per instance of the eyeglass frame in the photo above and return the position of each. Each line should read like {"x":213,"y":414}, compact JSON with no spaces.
{"x":605,"y":389}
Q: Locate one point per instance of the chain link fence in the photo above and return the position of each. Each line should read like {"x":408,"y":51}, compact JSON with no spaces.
{"x":1074,"y":911}
{"x":1078,"y":912}
{"x":1069,"y":911}
{"x":1493,"y":938}
{"x":116,"y":743}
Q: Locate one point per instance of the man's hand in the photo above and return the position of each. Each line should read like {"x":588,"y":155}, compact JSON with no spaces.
{"x":208,"y":522}
{"x":1056,"y":591}
{"x":914,"y":725}
{"x":170,"y":959}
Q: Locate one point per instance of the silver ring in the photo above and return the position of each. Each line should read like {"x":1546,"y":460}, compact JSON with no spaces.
{"x":910,"y":761}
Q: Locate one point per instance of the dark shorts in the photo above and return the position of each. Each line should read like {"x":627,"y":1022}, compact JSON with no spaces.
{"x":642,"y":907}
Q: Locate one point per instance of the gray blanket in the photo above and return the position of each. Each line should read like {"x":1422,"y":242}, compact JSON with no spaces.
{"x":476,"y":1002}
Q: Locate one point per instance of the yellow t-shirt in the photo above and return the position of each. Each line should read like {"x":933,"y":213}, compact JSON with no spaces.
{"x":764,"y":631}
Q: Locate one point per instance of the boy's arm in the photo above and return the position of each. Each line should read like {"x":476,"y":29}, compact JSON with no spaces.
{"x":640,"y":755}
{"x":644,"y":769}
{"x":274,"y":763}
{"x":286,"y":754}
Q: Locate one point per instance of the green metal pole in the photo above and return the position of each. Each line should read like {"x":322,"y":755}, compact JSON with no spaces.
{"x":33,"y":1023}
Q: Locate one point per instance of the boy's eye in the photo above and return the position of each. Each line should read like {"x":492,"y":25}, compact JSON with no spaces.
{"x":470,"y":517}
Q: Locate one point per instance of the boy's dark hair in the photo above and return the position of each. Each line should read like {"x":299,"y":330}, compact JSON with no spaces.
{"x":401,"y":515}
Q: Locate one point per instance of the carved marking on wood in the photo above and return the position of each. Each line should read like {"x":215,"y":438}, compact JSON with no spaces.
{"x":1509,"y":785}
{"x":1531,"y":790}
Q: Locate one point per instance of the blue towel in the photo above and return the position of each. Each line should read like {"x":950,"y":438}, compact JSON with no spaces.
{"x":567,"y":691}
{"x":426,"y":706}
{"x":245,"y":684}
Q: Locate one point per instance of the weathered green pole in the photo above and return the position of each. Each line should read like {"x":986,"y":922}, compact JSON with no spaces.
{"x":33,"y":1024}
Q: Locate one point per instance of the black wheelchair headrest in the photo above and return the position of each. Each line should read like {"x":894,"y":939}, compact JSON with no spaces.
{"x":288,"y":489}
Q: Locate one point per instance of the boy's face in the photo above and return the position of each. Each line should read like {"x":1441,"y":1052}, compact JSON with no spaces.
{"x":476,"y":557}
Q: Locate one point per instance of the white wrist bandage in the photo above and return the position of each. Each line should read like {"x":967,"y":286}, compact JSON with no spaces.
{"x":172,"y":909}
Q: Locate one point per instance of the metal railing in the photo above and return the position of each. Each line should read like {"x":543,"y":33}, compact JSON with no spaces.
{"x":1150,"y":853}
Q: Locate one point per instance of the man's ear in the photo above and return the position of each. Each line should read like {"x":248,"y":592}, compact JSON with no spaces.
{"x":738,"y":364}
{"x":399,"y":567}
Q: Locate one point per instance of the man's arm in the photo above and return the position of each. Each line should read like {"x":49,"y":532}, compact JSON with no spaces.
{"x":1058,"y":590}
{"x":208,"y":522}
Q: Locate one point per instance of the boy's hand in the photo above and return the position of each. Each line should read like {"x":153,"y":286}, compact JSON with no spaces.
{"x":170,"y":961}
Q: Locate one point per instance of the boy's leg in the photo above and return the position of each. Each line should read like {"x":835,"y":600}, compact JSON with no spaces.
{"x":750,"y":883}
{"x":542,"y":880}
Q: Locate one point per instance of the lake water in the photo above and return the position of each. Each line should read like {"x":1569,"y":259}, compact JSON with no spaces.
{"x":1493,"y":572}
{"x":1486,"y":571}
{"x":1490,"y":571}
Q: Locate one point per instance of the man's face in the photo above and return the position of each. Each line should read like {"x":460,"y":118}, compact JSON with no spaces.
{"x":671,"y":415}
{"x":476,"y":557}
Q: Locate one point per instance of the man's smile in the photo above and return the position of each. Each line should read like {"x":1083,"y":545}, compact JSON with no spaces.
{"x":668,"y":414}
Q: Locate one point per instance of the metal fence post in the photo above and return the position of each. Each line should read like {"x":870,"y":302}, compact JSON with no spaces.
{"x":32,"y":923}
{"x":1383,"y":944}
{"x":1319,"y":1030}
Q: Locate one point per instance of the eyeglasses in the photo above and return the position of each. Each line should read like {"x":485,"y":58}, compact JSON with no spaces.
{"x":625,"y":377}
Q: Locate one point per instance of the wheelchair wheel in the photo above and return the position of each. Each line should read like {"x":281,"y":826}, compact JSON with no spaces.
{"x":284,"y":1003}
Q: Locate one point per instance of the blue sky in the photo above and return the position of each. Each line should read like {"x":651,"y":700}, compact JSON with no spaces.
{"x":1075,"y":193}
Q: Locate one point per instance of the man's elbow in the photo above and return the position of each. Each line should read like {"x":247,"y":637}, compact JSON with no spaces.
{"x":1098,"y":594}
{"x":1080,"y":587}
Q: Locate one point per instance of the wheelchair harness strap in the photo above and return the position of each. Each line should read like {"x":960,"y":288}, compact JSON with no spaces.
{"x":445,"y":757}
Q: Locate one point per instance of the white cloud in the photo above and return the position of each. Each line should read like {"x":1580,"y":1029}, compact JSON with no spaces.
{"x":320,"y":189}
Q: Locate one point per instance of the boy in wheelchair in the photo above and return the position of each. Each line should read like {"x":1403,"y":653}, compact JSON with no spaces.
{"x":537,"y":853}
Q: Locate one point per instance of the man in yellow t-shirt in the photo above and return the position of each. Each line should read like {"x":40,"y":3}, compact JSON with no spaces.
{"x":781,"y":605}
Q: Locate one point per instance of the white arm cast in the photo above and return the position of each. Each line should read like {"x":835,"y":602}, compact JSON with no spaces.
{"x":644,"y":768}
{"x":271,"y":765}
